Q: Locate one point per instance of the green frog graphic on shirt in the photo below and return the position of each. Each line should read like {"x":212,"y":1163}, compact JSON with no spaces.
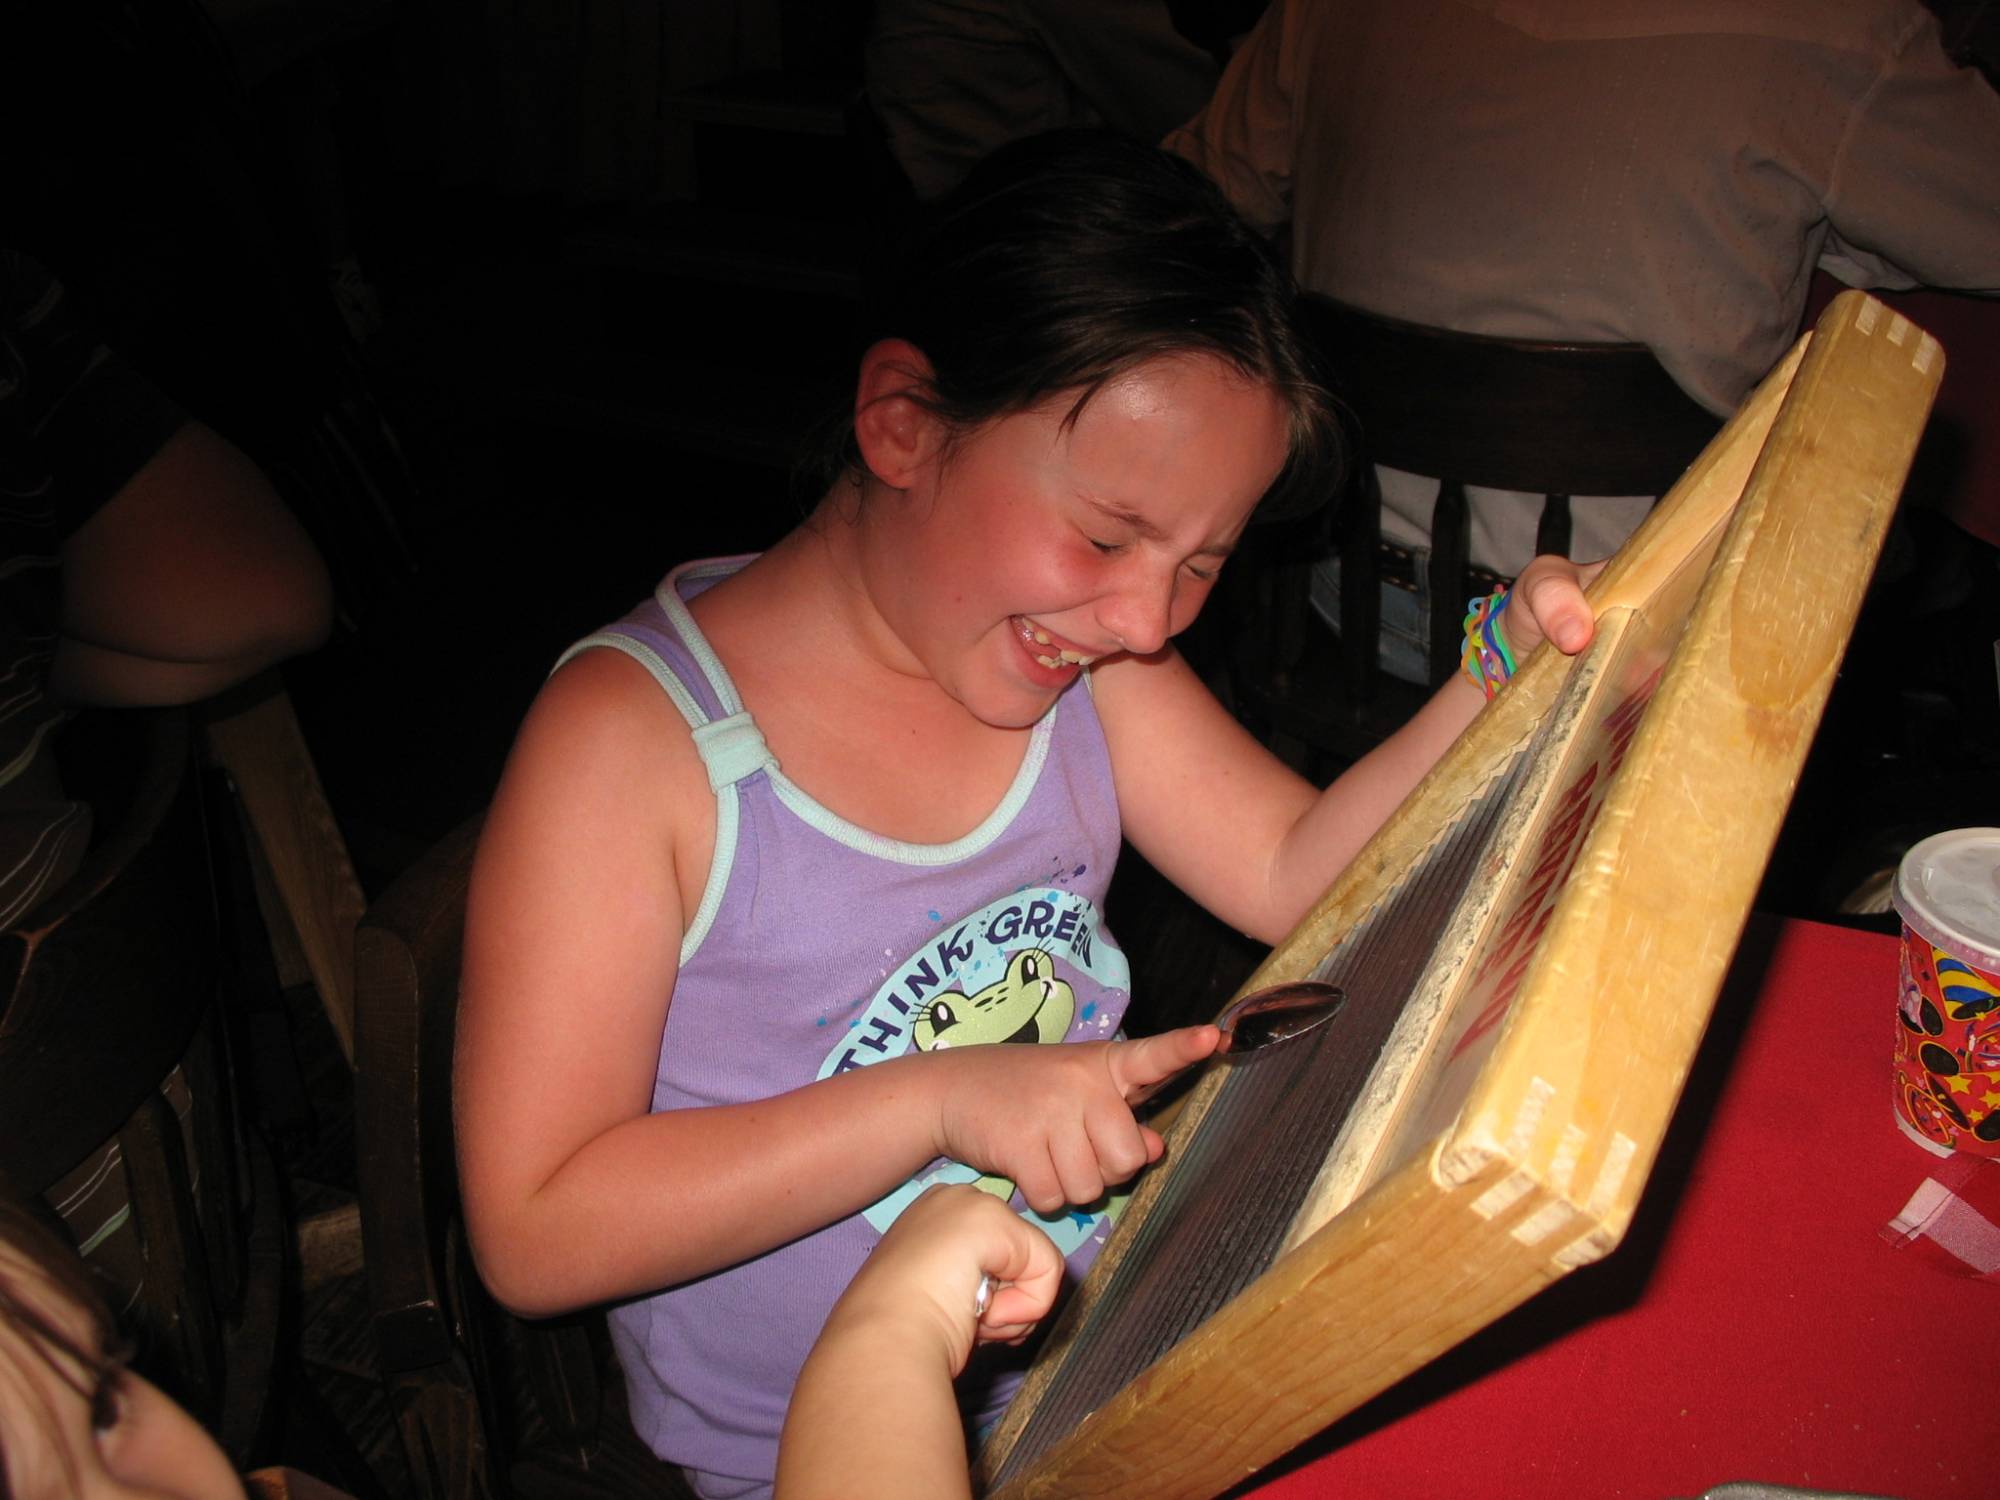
{"x":1032,"y":967}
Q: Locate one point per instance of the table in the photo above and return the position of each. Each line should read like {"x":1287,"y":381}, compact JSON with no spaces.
{"x":1754,"y":1324}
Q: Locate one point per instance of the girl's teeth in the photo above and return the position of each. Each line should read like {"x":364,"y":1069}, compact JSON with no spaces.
{"x":1061,"y":658}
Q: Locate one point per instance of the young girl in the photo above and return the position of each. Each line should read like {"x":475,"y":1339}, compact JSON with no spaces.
{"x":75,"y":1423}
{"x":772,"y":855}
{"x":73,"y":1420}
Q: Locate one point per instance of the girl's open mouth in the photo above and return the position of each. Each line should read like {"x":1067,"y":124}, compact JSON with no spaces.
{"x":1047,"y":649}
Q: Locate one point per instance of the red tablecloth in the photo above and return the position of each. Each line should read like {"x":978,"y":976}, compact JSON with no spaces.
{"x":1754,"y":1324}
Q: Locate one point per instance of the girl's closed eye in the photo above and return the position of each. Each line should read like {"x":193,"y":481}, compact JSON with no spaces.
{"x":107,"y":1397}
{"x":1195,"y":570}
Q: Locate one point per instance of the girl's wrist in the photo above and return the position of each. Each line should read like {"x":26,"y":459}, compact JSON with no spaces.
{"x":930,"y":1081}
{"x":905,"y":1323}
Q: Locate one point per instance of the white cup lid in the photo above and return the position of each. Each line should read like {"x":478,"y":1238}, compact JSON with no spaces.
{"x":1948,"y":890}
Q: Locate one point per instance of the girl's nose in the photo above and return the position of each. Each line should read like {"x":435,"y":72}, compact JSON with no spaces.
{"x":1139,"y":615}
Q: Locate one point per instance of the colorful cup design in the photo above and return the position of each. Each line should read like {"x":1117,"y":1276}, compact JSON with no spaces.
{"x":1947,"y":1060}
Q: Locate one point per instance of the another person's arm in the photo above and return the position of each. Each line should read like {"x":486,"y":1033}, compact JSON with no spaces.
{"x":873,"y":1412}
{"x":191,"y":578}
{"x":1911,"y":193}
{"x":1242,"y":138}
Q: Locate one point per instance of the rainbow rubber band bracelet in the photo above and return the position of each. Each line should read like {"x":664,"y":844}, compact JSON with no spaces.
{"x":1486,"y":659}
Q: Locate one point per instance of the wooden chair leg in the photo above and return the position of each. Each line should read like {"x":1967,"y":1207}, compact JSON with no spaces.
{"x":1552,"y":530}
{"x":176,"y":1312}
{"x":443,"y":1438}
{"x":1451,"y":543}
{"x":218,"y":1146}
{"x":561,"y":1366}
{"x":257,"y":1340}
{"x":296,"y":845}
{"x":1361,"y":590}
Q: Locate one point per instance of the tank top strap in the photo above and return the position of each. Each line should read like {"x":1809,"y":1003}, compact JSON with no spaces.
{"x":732,"y":749}
{"x":661,"y":636}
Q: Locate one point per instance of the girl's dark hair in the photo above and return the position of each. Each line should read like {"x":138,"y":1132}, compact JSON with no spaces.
{"x":1065,"y":260}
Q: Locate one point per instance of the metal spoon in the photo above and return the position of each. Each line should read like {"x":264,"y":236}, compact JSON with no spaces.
{"x":1263,"y":1018}
{"x":1277,"y":1013}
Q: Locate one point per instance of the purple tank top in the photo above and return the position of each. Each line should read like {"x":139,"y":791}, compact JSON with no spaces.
{"x":820,"y":946}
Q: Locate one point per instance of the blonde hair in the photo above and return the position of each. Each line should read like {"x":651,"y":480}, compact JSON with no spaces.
{"x":41,"y":1254}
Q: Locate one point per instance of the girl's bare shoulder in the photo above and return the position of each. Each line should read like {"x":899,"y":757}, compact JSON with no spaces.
{"x":602,"y":708}
{"x":604,"y":760}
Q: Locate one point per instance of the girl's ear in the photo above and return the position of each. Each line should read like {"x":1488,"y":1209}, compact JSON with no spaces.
{"x":895,"y":433}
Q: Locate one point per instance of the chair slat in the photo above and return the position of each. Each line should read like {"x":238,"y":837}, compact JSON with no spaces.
{"x":1557,"y":419}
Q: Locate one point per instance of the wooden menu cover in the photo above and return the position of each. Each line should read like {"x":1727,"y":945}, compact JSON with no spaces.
{"x":1531,"y":945}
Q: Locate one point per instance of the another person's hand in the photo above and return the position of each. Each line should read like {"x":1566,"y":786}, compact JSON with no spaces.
{"x":1547,"y":603}
{"x":873,"y":1412}
{"x":926,"y":1273}
{"x":1057,"y":1120}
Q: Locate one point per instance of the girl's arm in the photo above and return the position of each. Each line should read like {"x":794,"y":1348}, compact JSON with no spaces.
{"x":873,"y":1412}
{"x":1237,"y":829}
{"x":598,"y":839}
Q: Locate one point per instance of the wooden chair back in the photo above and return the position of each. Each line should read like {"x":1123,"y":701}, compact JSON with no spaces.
{"x":109,"y":983}
{"x":454,"y":1359}
{"x":1555,"y":419}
